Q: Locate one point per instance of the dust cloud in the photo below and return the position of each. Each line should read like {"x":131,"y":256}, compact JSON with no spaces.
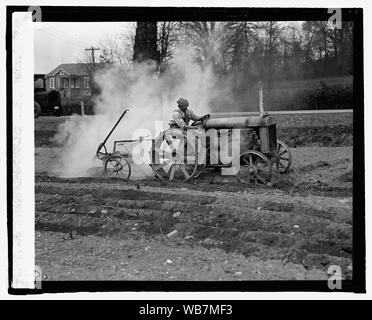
{"x":149,"y":97}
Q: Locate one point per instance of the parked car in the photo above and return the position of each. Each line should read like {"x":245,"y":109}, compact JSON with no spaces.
{"x":45,"y":101}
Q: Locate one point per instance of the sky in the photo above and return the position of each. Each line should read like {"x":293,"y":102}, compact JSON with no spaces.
{"x":64,"y":42}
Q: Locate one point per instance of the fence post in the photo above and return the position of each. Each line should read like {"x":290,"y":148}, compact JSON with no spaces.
{"x":260,"y":98}
{"x":82,"y":108}
{"x":165,"y":107}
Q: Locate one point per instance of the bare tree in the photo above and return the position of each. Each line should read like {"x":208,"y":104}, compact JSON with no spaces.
{"x":167,"y":37}
{"x":90,"y":68}
{"x":204,"y":36}
{"x":118,"y":49}
{"x":238,"y":42}
{"x":270,"y":35}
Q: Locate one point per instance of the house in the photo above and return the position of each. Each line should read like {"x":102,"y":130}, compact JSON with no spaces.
{"x":73,"y":82}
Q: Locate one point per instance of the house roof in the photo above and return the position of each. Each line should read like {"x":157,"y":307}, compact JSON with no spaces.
{"x":75,"y":69}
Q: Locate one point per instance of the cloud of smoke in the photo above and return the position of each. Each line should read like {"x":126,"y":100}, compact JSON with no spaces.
{"x":149,"y":99}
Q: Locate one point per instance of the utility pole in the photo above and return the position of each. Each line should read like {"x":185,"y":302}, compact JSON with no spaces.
{"x":92,"y":49}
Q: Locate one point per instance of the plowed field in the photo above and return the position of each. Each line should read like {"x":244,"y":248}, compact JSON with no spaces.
{"x":214,"y":228}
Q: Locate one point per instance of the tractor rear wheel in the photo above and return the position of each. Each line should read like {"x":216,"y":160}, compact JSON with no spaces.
{"x":254,"y":166}
{"x":171,"y":157}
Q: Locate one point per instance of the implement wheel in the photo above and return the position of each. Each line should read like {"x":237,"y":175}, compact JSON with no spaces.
{"x":117,"y":166}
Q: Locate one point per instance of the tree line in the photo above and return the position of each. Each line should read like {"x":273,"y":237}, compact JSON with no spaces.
{"x":242,"y":52}
{"x":252,"y":51}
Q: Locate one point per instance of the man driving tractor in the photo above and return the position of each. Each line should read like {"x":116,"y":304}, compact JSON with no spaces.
{"x":183,"y":115}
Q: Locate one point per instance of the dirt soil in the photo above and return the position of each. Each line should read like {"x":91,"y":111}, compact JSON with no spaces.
{"x":214,"y":228}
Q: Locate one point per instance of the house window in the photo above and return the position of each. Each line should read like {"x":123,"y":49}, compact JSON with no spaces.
{"x":51,"y":83}
{"x":77,"y":84}
{"x":65,"y":83}
{"x":62,"y":73}
{"x":58,"y":83}
{"x":86,"y":82}
{"x":72,"y":83}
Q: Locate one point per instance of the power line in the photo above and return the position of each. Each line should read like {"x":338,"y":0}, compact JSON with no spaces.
{"x":58,"y":37}
{"x":62,"y":34}
{"x":54,"y":36}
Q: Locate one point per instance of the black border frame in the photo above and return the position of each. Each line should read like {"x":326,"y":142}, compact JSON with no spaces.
{"x":99,"y":14}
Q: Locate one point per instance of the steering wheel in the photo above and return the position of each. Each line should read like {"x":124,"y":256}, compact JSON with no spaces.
{"x":201,"y":120}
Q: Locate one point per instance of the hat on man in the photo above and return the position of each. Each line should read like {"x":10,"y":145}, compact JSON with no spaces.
{"x":182,"y":102}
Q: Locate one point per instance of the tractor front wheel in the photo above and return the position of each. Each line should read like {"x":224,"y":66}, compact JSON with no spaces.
{"x":282,"y":158}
